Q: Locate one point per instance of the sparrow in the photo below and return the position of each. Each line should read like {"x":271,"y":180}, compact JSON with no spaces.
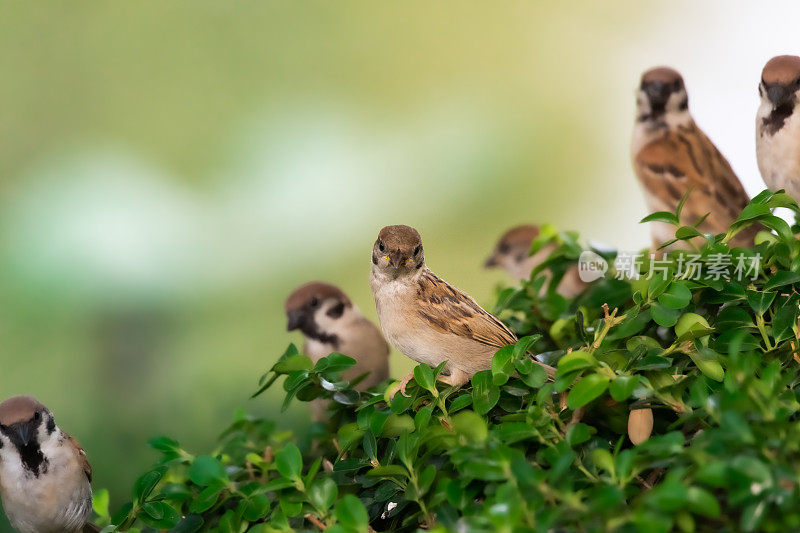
{"x":426,"y":318}
{"x":671,"y":155}
{"x":45,"y":478}
{"x":331,"y":323}
{"x":512,"y":253}
{"x":778,"y":125}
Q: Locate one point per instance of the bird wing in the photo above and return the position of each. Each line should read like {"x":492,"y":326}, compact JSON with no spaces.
{"x":686,"y":158}
{"x":449,"y":310}
{"x":83,"y":460}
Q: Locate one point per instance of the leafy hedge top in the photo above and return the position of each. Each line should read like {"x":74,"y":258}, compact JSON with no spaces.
{"x":714,"y":360}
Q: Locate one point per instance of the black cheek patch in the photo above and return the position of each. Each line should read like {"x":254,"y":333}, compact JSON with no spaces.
{"x":374,"y":259}
{"x":51,"y":426}
{"x":419,"y":264}
{"x":336,"y":311}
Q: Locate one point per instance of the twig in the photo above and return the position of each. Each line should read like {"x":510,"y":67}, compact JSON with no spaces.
{"x":610,"y":320}
{"x":316,"y":521}
{"x":577,"y":414}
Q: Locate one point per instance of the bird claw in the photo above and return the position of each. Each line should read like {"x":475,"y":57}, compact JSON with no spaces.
{"x":401,"y":387}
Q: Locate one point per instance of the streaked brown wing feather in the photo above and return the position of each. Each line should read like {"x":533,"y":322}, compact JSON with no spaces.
{"x":84,"y":461}
{"x":686,"y":158}
{"x":450,"y":310}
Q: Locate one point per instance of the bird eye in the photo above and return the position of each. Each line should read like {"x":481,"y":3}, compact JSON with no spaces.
{"x":381,"y":246}
{"x":314,"y":302}
{"x":504,"y":248}
{"x":37,"y":415}
{"x":418,"y":249}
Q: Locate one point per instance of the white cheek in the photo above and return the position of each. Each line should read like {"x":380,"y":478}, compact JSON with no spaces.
{"x":675,"y":101}
{"x":329,"y":324}
{"x":323,"y":321}
{"x":42,"y":433}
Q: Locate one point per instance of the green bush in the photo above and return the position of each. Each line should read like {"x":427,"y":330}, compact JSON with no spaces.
{"x":714,"y":359}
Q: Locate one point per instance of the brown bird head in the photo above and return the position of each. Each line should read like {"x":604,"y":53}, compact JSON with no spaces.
{"x":398,"y":251}
{"x":661,"y":91}
{"x":24,"y":423}
{"x":513,"y":247}
{"x":309,"y":303}
{"x":780,"y":81}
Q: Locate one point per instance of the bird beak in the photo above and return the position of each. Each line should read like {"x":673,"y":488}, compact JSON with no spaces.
{"x":25,"y":432}
{"x":490,"y":262}
{"x":296,"y":319}
{"x":777,"y":94}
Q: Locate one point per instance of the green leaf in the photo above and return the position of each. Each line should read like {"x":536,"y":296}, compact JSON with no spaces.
{"x":100,"y":501}
{"x":207,"y":470}
{"x":165,"y":445}
{"x":206,"y":499}
{"x":160,"y":515}
{"x":502,"y":365}
{"x":760,"y":301}
{"x":703,"y":502}
{"x":524,"y":344}
{"x":657,"y":285}
{"x":471,"y":426}
{"x":779,"y":225}
{"x":669,"y":496}
{"x":423,"y":375}
{"x":707,"y":361}
{"x":289,"y":461}
{"x":664,"y":316}
{"x":687,"y":232}
{"x":396,"y":424}
{"x":579,"y":433}
{"x":752,"y":211}
{"x":335,"y":362}
{"x":188,"y":524}
{"x":785,"y":320}
{"x":622,"y":387}
{"x":677,"y":295}
{"x":145,"y":485}
{"x":586,"y":390}
{"x":692,"y":326}
{"x":603,"y":460}
{"x":322,"y":494}
{"x":352,"y":514}
{"x":484,"y":393}
{"x":782,"y":278}
{"x":576,"y":360}
{"x":463,"y":401}
{"x":781,"y":199}
{"x":661,"y":216}
{"x":388,"y":471}
{"x":530,"y":371}
{"x":752,"y":515}
{"x":293,"y":363}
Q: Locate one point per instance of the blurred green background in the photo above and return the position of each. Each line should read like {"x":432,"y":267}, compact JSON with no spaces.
{"x":171,"y":170}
